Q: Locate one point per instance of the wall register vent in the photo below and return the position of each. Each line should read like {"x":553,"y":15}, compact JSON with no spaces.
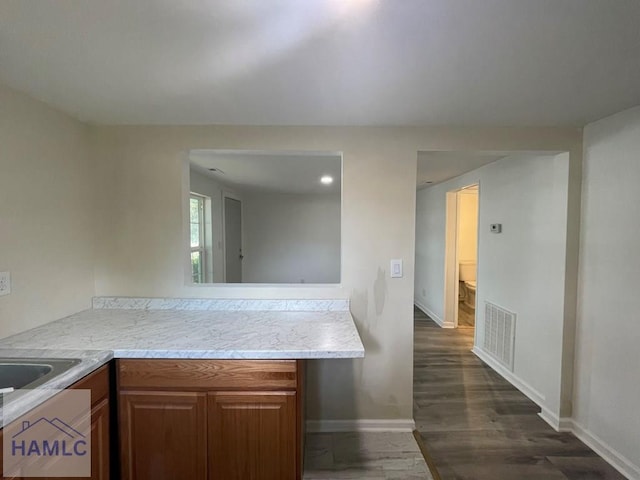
{"x":499,"y":334}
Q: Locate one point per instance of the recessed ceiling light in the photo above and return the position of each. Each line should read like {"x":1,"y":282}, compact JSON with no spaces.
{"x":326,"y":180}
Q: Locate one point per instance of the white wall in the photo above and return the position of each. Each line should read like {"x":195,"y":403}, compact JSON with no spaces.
{"x":291,"y":238}
{"x":46,"y":213}
{"x":607,"y":364}
{"x":139,"y":172}
{"x":522,"y":269}
{"x":430,"y":251}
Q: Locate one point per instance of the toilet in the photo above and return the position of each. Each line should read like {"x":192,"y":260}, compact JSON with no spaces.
{"x":467,"y":278}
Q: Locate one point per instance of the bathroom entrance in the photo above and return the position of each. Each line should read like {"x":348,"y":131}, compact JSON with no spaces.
{"x":462,"y":255}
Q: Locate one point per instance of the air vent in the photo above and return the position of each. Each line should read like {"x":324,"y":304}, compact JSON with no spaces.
{"x":499,"y":334}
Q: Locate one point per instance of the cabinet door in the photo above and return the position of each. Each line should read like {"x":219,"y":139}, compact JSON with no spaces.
{"x":252,"y":436}
{"x":100,"y":441}
{"x":99,"y":444}
{"x":163,"y":435}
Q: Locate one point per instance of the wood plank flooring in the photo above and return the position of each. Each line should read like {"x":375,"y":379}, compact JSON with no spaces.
{"x":364,"y":455}
{"x":466,"y":315}
{"x":476,"y":425}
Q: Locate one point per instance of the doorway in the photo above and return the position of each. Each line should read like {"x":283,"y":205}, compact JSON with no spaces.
{"x":462,"y":255}
{"x":232,"y":240}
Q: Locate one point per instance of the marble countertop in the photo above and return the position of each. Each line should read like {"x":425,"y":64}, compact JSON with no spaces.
{"x":156,"y":328}
{"x":199,"y":334}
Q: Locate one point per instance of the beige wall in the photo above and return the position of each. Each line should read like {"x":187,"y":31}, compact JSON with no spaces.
{"x":467,"y":226}
{"x":46,"y":238}
{"x":139,"y":226}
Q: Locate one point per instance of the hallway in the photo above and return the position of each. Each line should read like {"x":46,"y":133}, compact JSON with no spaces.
{"x":476,"y":425}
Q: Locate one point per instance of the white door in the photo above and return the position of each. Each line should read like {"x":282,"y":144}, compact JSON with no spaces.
{"x":233,"y":240}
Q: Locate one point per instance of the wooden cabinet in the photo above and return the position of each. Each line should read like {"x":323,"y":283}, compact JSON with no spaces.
{"x":98,"y":383}
{"x":252,"y":435}
{"x":100,"y":440}
{"x":163,"y":435}
{"x":210,"y":419}
{"x":1,"y":455}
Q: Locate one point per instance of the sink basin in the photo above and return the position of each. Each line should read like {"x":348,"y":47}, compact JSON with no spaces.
{"x":30,"y":372}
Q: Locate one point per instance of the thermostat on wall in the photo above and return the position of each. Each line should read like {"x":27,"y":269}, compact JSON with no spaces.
{"x":496,"y":228}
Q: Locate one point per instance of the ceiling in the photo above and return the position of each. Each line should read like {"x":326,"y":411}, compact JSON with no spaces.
{"x":271,"y":172}
{"x":326,"y":62}
{"x":436,"y":167}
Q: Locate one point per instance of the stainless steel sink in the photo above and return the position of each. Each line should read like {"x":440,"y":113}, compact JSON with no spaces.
{"x":30,"y":372}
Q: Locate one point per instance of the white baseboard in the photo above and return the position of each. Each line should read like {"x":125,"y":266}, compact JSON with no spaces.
{"x":625,"y":466}
{"x":559,"y":424}
{"x":563,"y":424}
{"x":535,"y":396}
{"x":361,"y":425}
{"x":432,"y":315}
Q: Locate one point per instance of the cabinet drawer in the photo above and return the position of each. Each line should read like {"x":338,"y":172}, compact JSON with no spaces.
{"x":207,"y":374}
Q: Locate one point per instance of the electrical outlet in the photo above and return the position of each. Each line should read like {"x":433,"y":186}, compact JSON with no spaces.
{"x":5,"y":283}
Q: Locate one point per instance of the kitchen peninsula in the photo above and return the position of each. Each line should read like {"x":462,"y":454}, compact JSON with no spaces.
{"x":200,"y":388}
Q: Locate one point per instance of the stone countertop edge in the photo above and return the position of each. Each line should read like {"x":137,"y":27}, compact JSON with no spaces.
{"x":20,"y":402}
{"x":14,"y":405}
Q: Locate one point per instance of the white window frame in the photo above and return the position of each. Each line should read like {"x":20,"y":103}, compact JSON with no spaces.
{"x":202,"y":245}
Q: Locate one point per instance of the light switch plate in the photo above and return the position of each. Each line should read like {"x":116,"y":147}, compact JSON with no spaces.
{"x":396,"y":268}
{"x":5,"y":283}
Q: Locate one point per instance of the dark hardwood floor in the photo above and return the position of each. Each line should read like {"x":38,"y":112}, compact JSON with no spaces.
{"x":476,"y":425}
{"x":466,"y":315}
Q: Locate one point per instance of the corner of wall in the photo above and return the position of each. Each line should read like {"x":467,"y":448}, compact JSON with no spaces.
{"x":432,"y":315}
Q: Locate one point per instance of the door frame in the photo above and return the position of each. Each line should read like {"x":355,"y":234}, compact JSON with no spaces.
{"x":234,"y":196}
{"x":451,"y":272}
